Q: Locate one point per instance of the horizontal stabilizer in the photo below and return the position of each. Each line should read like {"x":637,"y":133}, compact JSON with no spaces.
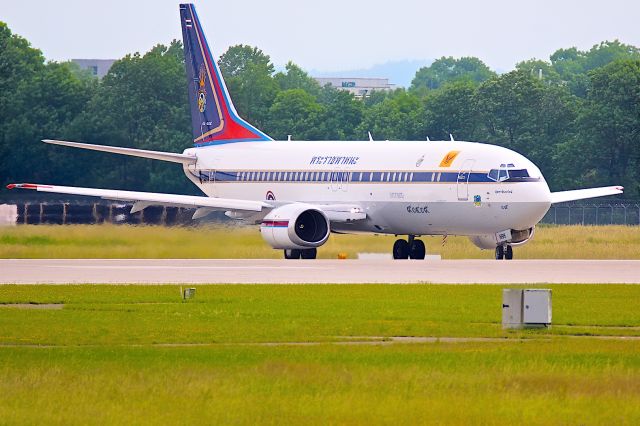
{"x":155,"y":155}
{"x":144,"y":199}
{"x":581,"y":194}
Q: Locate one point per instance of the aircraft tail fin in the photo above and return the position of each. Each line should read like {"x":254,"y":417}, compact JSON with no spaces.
{"x":214,"y":119}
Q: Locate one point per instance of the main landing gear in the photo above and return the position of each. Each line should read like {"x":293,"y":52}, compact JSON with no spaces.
{"x":411,"y":249}
{"x":504,"y":252}
{"x":300,"y":254}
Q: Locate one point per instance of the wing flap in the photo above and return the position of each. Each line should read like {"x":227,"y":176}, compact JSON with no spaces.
{"x":145,"y":199}
{"x":581,"y":194}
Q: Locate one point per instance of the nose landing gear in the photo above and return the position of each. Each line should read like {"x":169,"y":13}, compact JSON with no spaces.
{"x":411,"y":249}
{"x":504,"y":251}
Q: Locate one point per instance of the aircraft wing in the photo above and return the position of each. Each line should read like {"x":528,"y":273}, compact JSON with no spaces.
{"x":142,"y":200}
{"x":204,"y":205}
{"x":581,"y":194}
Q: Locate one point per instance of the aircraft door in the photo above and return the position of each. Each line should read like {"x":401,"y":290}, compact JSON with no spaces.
{"x":346,"y":177}
{"x":462,"y":185}
{"x":333,"y":177}
{"x":211,"y":187}
{"x":339,"y":180}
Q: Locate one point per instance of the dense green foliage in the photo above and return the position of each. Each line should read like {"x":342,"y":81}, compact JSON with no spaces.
{"x":577,"y":115}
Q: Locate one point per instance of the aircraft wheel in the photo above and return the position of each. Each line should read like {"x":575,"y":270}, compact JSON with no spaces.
{"x":401,"y":249}
{"x":508,"y":253}
{"x":292,"y":254}
{"x":309,"y":253}
{"x":417,"y":250}
{"x":499,"y":253}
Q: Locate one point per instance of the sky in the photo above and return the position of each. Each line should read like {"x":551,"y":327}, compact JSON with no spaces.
{"x":330,"y":35}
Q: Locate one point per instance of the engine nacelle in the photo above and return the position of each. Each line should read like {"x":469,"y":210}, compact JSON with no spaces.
{"x":295,"y":226}
{"x":516,"y":238}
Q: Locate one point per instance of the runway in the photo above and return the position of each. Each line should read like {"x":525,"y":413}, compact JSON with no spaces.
{"x":257,"y":271}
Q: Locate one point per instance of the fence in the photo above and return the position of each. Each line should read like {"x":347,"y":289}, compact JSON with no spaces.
{"x":574,"y":213}
{"x":606,"y":213}
{"x":63,"y":213}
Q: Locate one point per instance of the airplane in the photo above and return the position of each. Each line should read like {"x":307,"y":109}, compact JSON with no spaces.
{"x":302,"y":191}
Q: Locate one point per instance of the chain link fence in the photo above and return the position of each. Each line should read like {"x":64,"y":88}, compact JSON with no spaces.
{"x":63,"y":213}
{"x":35,"y":212}
{"x":605,"y":213}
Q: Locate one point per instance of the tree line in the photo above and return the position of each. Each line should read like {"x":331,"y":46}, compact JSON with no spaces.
{"x":576,"y":115}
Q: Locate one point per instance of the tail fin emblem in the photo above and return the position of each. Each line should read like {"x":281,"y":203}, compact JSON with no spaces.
{"x":202,"y":93}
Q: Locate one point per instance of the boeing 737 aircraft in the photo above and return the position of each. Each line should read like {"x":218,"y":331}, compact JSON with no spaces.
{"x":301,"y":191}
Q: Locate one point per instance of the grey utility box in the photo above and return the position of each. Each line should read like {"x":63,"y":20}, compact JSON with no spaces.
{"x":526,"y":308}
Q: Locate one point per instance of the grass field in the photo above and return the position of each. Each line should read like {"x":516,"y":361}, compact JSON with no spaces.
{"x":246,"y":354}
{"x":109,"y":241}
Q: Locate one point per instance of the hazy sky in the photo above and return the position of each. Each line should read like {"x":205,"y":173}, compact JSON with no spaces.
{"x":330,"y":34}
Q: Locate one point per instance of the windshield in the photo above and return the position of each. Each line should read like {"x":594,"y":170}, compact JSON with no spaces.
{"x":509,"y":174}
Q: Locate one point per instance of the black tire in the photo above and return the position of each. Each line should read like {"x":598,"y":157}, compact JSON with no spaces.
{"x":309,"y":253}
{"x":417,"y":251}
{"x":499,"y":253}
{"x":292,"y":253}
{"x":401,"y":249}
{"x":508,"y":253}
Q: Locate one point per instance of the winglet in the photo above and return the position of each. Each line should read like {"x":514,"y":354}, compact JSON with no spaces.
{"x":26,"y":186}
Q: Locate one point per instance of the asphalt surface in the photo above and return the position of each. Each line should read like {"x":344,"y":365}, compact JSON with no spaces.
{"x":256,"y":271}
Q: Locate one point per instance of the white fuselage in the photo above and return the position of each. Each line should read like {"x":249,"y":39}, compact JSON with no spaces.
{"x":404,"y":187}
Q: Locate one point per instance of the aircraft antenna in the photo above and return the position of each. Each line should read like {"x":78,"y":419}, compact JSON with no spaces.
{"x":370,"y":137}
{"x":451,"y":137}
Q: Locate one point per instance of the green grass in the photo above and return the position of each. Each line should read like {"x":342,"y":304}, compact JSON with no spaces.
{"x":138,"y":354}
{"x":110,"y":241}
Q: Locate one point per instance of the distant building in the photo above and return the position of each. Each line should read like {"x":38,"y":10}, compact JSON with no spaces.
{"x":360,"y":87}
{"x":97,"y":67}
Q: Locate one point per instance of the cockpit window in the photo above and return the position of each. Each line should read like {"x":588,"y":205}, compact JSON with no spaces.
{"x":498,"y":175}
{"x":508,"y":174}
{"x":518,"y":174}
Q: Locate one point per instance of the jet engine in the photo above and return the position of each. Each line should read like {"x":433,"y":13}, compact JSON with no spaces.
{"x":514,"y":238}
{"x":295,"y":226}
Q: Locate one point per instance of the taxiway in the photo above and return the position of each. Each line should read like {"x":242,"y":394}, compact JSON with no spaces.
{"x":256,"y":271}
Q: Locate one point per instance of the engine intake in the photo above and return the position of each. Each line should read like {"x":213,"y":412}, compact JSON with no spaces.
{"x":295,"y":226}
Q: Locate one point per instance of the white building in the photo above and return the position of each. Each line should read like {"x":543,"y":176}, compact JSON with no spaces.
{"x":360,"y":87}
{"x":97,"y":67}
